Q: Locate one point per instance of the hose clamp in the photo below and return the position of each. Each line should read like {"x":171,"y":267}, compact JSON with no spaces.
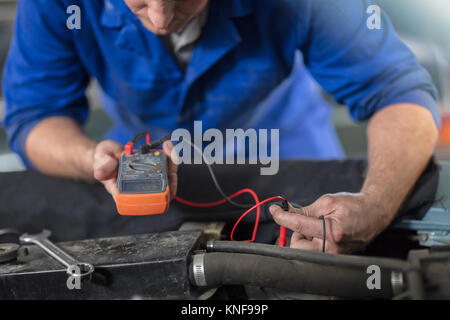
{"x":210,"y":245}
{"x":397,"y":282}
{"x":198,"y":269}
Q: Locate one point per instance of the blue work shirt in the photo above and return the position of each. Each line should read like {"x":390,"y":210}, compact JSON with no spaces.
{"x":258,"y":64}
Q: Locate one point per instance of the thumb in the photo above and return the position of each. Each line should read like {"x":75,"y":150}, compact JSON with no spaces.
{"x":106,"y":160}
{"x":169,"y":151}
{"x":172,"y":169}
{"x":106,"y":167}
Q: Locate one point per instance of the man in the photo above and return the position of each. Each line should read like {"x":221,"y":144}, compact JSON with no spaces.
{"x":237,"y":63}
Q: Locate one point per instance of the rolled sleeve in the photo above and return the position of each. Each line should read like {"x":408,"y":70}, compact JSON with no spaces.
{"x":43,"y":76}
{"x":365,"y":69}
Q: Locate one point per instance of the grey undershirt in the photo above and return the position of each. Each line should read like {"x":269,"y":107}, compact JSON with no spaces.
{"x":181,"y":44}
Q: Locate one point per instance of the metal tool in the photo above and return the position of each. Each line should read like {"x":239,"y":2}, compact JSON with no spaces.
{"x":144,"y":266}
{"x":73,"y":266}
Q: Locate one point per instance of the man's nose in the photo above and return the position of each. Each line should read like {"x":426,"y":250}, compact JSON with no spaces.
{"x":161,"y":13}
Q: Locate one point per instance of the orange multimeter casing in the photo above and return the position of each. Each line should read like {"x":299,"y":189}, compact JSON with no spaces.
{"x":142,"y":184}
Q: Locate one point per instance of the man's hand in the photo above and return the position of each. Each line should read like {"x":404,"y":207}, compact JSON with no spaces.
{"x":352,"y":221}
{"x":106,"y":162}
{"x":401,"y":140}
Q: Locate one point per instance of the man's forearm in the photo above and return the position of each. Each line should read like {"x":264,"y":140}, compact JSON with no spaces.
{"x":58,"y":146}
{"x":402,"y":139}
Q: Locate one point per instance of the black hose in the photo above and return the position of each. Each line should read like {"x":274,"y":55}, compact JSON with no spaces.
{"x":289,"y":275}
{"x":307,"y":256}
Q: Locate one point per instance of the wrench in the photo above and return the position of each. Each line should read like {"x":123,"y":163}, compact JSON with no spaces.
{"x":41,"y":240}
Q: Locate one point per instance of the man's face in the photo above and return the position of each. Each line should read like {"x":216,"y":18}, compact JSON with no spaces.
{"x":163,"y":17}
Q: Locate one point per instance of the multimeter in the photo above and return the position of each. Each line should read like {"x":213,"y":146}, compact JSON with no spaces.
{"x":142,"y":182}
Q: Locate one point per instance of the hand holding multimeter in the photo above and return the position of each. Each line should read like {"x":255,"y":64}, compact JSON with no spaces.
{"x":143,"y":186}
{"x":141,"y":180}
{"x":146,"y":181}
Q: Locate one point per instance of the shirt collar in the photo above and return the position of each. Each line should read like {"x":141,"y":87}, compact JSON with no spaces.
{"x":190,"y":33}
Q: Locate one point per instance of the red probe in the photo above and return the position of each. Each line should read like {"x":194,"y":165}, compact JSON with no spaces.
{"x":130,"y":145}
{"x":282,"y":238}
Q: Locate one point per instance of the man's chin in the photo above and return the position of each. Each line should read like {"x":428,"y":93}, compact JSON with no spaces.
{"x":162,"y":32}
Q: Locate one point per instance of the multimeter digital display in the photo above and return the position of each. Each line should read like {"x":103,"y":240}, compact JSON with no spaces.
{"x":142,"y":183}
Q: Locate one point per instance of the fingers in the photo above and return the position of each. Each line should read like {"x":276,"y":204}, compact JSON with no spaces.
{"x":345,"y":229}
{"x":309,"y":245}
{"x":172,"y":156}
{"x":330,"y":247}
{"x":106,"y":160}
{"x":172,"y":167}
{"x":107,"y":168}
{"x":299,"y":241}
{"x":110,"y":186}
{"x":307,"y":226}
{"x":296,"y":237}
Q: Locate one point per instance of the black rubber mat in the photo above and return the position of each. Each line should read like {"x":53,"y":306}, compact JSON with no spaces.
{"x":30,"y":201}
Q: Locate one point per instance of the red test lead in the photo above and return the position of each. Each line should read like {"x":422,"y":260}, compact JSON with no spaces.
{"x":258,"y":204}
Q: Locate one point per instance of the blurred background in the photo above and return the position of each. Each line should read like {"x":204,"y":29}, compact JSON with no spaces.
{"x":424,"y":25}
